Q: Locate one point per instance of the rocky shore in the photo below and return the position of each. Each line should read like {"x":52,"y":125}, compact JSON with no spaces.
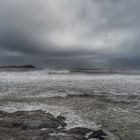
{"x":39,"y":125}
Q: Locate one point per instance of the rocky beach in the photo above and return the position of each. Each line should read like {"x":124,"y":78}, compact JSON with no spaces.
{"x":39,"y":125}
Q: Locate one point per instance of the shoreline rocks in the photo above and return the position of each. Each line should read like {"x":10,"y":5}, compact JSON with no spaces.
{"x":39,"y":125}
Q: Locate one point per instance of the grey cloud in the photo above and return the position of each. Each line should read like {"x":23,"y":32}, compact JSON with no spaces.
{"x":70,"y":33}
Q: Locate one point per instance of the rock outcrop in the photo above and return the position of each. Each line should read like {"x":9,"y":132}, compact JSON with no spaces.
{"x":39,"y":125}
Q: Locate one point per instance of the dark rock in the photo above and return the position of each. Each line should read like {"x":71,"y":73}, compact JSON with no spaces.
{"x":19,"y":134}
{"x":100,"y":134}
{"x":67,"y":137}
{"x":36,"y":124}
{"x":2,"y":113}
{"x":30,"y":120}
{"x":61,"y":118}
{"x":39,"y":125}
{"x":79,"y":130}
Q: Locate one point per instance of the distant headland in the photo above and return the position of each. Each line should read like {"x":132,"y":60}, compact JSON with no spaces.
{"x":20,"y":66}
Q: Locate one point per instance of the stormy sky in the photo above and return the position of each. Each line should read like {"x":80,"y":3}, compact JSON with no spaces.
{"x":70,"y":33}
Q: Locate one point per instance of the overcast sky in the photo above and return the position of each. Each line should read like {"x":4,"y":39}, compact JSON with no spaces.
{"x":70,"y":33}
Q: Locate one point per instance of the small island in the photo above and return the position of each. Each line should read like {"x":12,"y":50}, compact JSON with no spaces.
{"x":21,"y":66}
{"x":17,"y":68}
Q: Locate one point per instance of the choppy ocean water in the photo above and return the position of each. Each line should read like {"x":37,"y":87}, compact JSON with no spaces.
{"x":109,"y":101}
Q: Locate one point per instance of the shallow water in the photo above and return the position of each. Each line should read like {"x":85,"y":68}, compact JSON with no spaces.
{"x":111,"y":102}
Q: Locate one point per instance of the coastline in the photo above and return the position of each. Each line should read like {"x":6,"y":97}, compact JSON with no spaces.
{"x":41,"y":125}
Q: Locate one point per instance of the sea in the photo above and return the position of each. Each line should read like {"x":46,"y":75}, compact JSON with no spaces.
{"x":95,"y":100}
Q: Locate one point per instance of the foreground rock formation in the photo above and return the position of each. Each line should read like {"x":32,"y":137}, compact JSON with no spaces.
{"x":39,"y":125}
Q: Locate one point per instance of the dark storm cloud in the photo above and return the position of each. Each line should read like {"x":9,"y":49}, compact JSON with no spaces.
{"x":70,"y":33}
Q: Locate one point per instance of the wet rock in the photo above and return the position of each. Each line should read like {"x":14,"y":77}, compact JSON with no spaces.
{"x":39,"y":125}
{"x":68,"y":137}
{"x":79,"y":130}
{"x":30,"y":120}
{"x":36,"y":124}
{"x":2,"y":113}
{"x":61,"y":118}
{"x":100,"y":134}
{"x":19,"y":134}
